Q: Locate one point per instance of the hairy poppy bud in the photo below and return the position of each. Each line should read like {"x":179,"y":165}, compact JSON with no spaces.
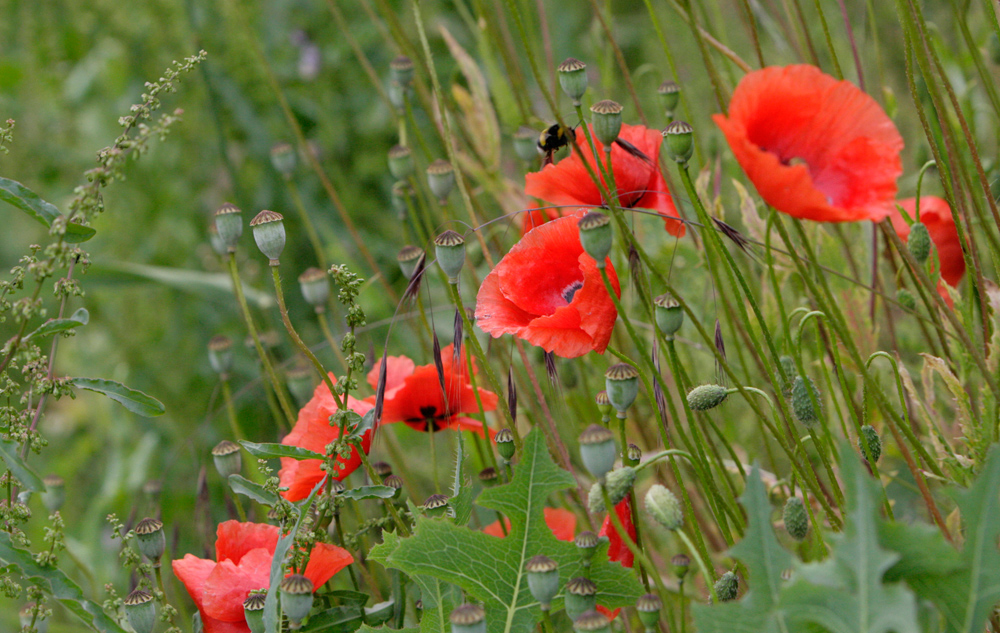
{"x":648,"y":606}
{"x":526,"y":144}
{"x":595,"y":236}
{"x":226,"y":456}
{"x":607,"y":121}
{"x":919,"y":242}
{"x":468,"y":618}
{"x":441,"y":179}
{"x":505,"y":444}
{"x":315,"y":287}
{"x":401,"y":194}
{"x":790,"y":371}
{"x":488,"y":476}
{"x":597,"y":450}
{"x":669,"y":315}
{"x":669,"y":94}
{"x":662,"y":505}
{"x":705,"y":397}
{"x":617,"y":483}
{"x":55,"y":492}
{"x":581,"y":596}
{"x":449,"y":248}
{"x":681,"y":564}
{"x":727,"y":586}
{"x":621,"y":382}
{"x":796,"y":518}
{"x":906,"y":299}
{"x":586,"y":543}
{"x":592,"y":621}
{"x":149,"y":535}
{"x":283,"y":159}
{"x":874,"y":443}
{"x":436,"y":506}
{"x":543,"y":579}
{"x":229,"y":224}
{"x":573,"y":79}
{"x":401,"y":162}
{"x":802,"y":403}
{"x":253,"y":610}
{"x":269,"y":233}
{"x":140,"y":611}
{"x":401,"y":70}
{"x":680,"y":142}
{"x":296,"y":593}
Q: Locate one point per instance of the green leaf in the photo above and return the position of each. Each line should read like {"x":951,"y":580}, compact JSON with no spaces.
{"x":384,"y":629}
{"x":53,"y":326}
{"x":55,"y":582}
{"x":461,"y":490}
{"x":492,"y":569}
{"x":438,"y":598}
{"x":16,"y":194}
{"x":247,"y":488}
{"x":16,"y":465}
{"x":368,"y":492}
{"x":922,"y":550}
{"x":268,"y":451}
{"x":349,"y":597}
{"x":359,"y":425}
{"x":135,"y":401}
{"x":342,"y":619}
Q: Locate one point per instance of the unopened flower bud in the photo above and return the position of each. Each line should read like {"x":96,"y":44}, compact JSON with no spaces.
{"x":441,"y":179}
{"x":906,"y":299}
{"x":436,"y":505}
{"x":681,"y":564}
{"x":226,"y":456}
{"x":505,"y":444}
{"x":468,"y":618}
{"x":488,"y":476}
{"x":401,"y":162}
{"x":296,"y":593}
{"x":449,"y":248}
{"x":680,"y":142}
{"x":607,"y":119}
{"x":618,"y":483}
{"x":790,"y":371}
{"x":409,"y":258}
{"x":727,"y":586}
{"x":401,"y":70}
{"x":597,"y":450}
{"x":595,"y":236}
{"x":621,"y":381}
{"x":669,"y":94}
{"x":543,"y":579}
{"x":140,"y":611}
{"x":648,"y":606}
{"x":229,"y":224}
{"x":796,"y":518}
{"x":592,"y":621}
{"x":283,"y":159}
{"x":663,"y":506}
{"x":253,"y":610}
{"x":269,"y":233}
{"x":581,"y":596}
{"x":55,"y":492}
{"x":802,"y":403}
{"x":919,"y":242}
{"x":526,"y":144}
{"x":149,"y":535}
{"x":573,"y":79}
{"x":874,"y":443}
{"x":220,"y":354}
{"x":586,"y":543}
{"x":669,"y":315}
{"x":705,"y":397}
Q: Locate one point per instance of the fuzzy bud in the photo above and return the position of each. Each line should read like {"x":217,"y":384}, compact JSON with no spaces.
{"x":543,"y":579}
{"x":449,"y":248}
{"x":140,"y":611}
{"x":680,"y":142}
{"x":802,"y":403}
{"x":669,"y":315}
{"x":662,"y":505}
{"x":573,"y":79}
{"x":727,"y":586}
{"x":796,"y":518}
{"x":874,"y":443}
{"x":595,"y":236}
{"x":705,"y":397}
{"x":597,"y":450}
{"x":919,"y":242}
{"x":229,"y":224}
{"x":607,"y":120}
{"x":227,"y":458}
{"x":906,"y":299}
{"x":441,"y":179}
{"x":269,"y":233}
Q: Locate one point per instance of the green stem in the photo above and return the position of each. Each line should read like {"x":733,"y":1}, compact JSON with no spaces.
{"x":314,"y":240}
{"x":227,"y":396}
{"x":637,"y":553}
{"x":707,"y":574}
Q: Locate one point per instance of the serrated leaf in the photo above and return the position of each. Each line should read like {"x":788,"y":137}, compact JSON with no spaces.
{"x":16,"y":465}
{"x":368,"y":492}
{"x":269,"y":451}
{"x":242,"y":485}
{"x":438,"y":598}
{"x":55,"y":582}
{"x":132,"y":399}
{"x":54,"y":326}
{"x":922,"y":549}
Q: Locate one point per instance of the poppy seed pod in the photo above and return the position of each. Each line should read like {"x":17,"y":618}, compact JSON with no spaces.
{"x":398,"y":94}
{"x":401,"y":162}
{"x":409,"y":258}
{"x":621,"y":382}
{"x":296,"y":593}
{"x":436,"y":506}
{"x":669,"y":315}
{"x":573,"y":79}
{"x":681,"y":564}
{"x":648,"y":606}
{"x":220,"y":354}
{"x":874,"y":443}
{"x":140,"y":611}
{"x":401,"y":194}
{"x":382,"y":469}
{"x":662,"y":505}
{"x":150,"y":537}
{"x":586,"y":543}
{"x":592,"y":622}
{"x":526,"y":144}
{"x":283,"y":159}
{"x":253,"y":610}
{"x":680,"y":142}
{"x":315,"y":287}
{"x":505,"y":444}
{"x":581,"y":596}
{"x":705,"y":397}
{"x":727,"y":586}
{"x":669,"y":94}
{"x":55,"y":492}
{"x":603,"y":404}
{"x":441,"y":179}
{"x":543,"y":579}
{"x":607,"y":121}
{"x":796,"y":518}
{"x":449,"y":248}
{"x":229,"y":224}
{"x":218,"y":245}
{"x":269,"y":233}
{"x":919,"y":242}
{"x":802,"y":404}
{"x":227,"y":458}
{"x":488,"y":476}
{"x":401,"y":70}
{"x":396,"y":483}
{"x":597,"y":450}
{"x":468,"y":618}
{"x":595,"y":236}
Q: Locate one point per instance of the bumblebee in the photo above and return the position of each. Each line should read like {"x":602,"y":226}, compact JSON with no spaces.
{"x":556,"y":136}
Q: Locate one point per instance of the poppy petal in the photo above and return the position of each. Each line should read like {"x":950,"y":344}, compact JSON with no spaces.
{"x":617,"y":550}
{"x":234,"y":539}
{"x":397,"y":368}
{"x":193,"y":572}
{"x":495,"y":313}
{"x":229,"y":584}
{"x":211,"y":625}
{"x":936,"y":215}
{"x":561,"y":522}
{"x":325,"y":561}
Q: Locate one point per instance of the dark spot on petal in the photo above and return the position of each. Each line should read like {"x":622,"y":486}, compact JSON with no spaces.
{"x":570,"y":290}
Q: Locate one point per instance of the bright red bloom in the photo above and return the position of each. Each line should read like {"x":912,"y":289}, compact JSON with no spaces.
{"x":244,"y":552}
{"x":936,"y":214}
{"x":815,"y":148}
{"x":313,"y":431}
{"x":549,"y":292}
{"x":618,"y":551}
{"x":561,"y":522}
{"x":640,"y":184}
{"x":413,"y":395}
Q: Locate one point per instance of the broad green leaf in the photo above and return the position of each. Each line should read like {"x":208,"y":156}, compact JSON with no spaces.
{"x":16,"y":465}
{"x":492,"y":569}
{"x":922,"y":550}
{"x":438,"y":598}
{"x":247,"y":488}
{"x":360,"y":425}
{"x":193,"y":281}
{"x":342,"y":619}
{"x":368,"y":492}
{"x":349,"y":597}
{"x":53,"y":326}
{"x":132,"y":399}
{"x":461,"y":490}
{"x":16,"y":194}
{"x":268,"y":451}
{"x":55,"y":582}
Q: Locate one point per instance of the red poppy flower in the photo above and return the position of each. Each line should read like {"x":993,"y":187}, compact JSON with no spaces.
{"x":244,"y":552}
{"x":640,"y":184}
{"x":313,"y":431}
{"x":413,"y":395}
{"x":561,"y":522}
{"x":815,"y":148}
{"x":549,"y":292}
{"x":618,"y":551}
{"x":936,"y":214}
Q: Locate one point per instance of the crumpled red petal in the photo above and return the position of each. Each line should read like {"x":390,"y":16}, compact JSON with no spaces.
{"x":561,"y":522}
{"x":234,"y":539}
{"x":229,"y":584}
{"x":936,"y":214}
{"x":325,"y":561}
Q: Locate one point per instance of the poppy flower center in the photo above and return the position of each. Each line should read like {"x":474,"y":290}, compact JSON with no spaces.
{"x":570,"y":291}
{"x":428,"y":411}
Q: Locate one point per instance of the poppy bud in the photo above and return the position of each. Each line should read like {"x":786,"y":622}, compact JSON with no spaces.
{"x":526,"y":144}
{"x":449,"y":248}
{"x":401,"y":162}
{"x":140,"y":611}
{"x":229,"y":224}
{"x":874,"y":443}
{"x":315,"y":287}
{"x":581,"y":596}
{"x":300,"y":381}
{"x":283,"y":159}
{"x":669,"y":94}
{"x":149,"y":535}
{"x":705,"y":397}
{"x":603,"y":404}
{"x":468,"y":618}
{"x":436,"y":506}
{"x":396,"y":483}
{"x":408,"y":259}
{"x":649,"y":606}
{"x":597,"y":450}
{"x":441,"y":179}
{"x":543,"y":579}
{"x":269,"y":233}
{"x":633,"y":454}
{"x":592,"y":622}
{"x":218,"y":245}
{"x":220,"y":354}
{"x":55,"y":492}
{"x":919,"y":242}
{"x":573,"y":79}
{"x":681,"y":564}
{"x":488,"y":476}
{"x":796,"y":518}
{"x":253,"y":610}
{"x":296,"y":593}
{"x":618,"y":482}
{"x":226,"y":456}
{"x":586,"y":543}
{"x":906,"y":299}
{"x":401,"y":70}
{"x":802,"y":404}
{"x":669,"y":315}
{"x":607,"y":121}
{"x":595,"y":236}
{"x":505,"y":444}
{"x":621,"y":382}
{"x":662,"y":505}
{"x":727,"y":586}
{"x":401,"y":193}
{"x":680,"y":145}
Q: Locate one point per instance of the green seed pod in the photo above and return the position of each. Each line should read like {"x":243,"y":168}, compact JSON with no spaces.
{"x":680,"y":141}
{"x":409,"y":258}
{"x":401,"y":70}
{"x":669,"y":315}
{"x":796,"y":518}
{"x":526,"y":144}
{"x":669,"y":94}
{"x":802,"y":404}
{"x":436,"y":506}
{"x":488,"y":477}
{"x":218,"y":245}
{"x":296,"y":593}
{"x":543,"y":579}
{"x":586,"y":543}
{"x":315,"y":286}
{"x":468,"y":618}
{"x":220,"y":354}
{"x":401,"y":162}
{"x":449,"y":248}
{"x":603,"y":404}
{"x":705,"y":397}
{"x":441,"y":179}
{"x":681,"y":564}
{"x":621,"y":381}
{"x":229,"y":224}
{"x":906,"y":299}
{"x":597,"y":450}
{"x":919,"y":242}
{"x":633,"y":454}
{"x":581,"y":596}
{"x":227,"y":458}
{"x":402,"y":192}
{"x":727,"y":586}
{"x":505,"y":444}
{"x":382,"y":469}
{"x":607,"y":119}
{"x":595,"y":236}
{"x":55,"y":492}
{"x":269,"y":233}
{"x":662,"y":505}
{"x":140,"y":611}
{"x":573,"y":79}
{"x":149,"y":535}
{"x":648,"y":606}
{"x":283,"y":159}
{"x":874,"y":443}
{"x":592,"y":621}
{"x":398,"y":95}
{"x":396,"y":483}
{"x":253,"y":610}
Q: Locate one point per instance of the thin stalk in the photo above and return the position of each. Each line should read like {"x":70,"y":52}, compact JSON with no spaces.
{"x":324,"y":325}
{"x":317,"y":244}
{"x":227,"y":396}
{"x":637,"y":553}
